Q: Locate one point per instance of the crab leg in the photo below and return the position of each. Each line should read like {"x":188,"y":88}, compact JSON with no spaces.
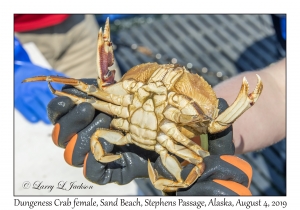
{"x":241,"y":104}
{"x":170,"y":129}
{"x":178,"y":150}
{"x":120,"y":124}
{"x":172,"y":164}
{"x":167,"y":185}
{"x":124,"y":99}
{"x":174,"y":167}
{"x":113,"y":137}
{"x":176,"y":116}
{"x":102,"y":106}
{"x":184,"y":110}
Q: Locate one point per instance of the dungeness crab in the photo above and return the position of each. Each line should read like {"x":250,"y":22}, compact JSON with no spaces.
{"x":157,"y":107}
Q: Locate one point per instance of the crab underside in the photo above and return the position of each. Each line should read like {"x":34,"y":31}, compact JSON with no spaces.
{"x":157,"y":107}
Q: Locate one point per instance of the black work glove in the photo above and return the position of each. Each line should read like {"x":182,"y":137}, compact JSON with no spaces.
{"x":74,"y":126}
{"x":224,"y":174}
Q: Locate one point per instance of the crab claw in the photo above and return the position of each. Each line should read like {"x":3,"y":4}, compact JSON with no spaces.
{"x":105,"y":57}
{"x":241,"y":104}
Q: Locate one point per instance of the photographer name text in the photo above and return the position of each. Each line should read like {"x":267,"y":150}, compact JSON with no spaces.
{"x":62,"y":185}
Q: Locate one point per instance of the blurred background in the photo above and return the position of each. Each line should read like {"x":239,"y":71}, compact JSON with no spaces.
{"x":216,"y":47}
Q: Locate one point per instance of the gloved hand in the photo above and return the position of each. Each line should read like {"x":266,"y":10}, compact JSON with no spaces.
{"x":74,"y":128}
{"x":31,"y":99}
{"x":75,"y":124}
{"x":224,"y":174}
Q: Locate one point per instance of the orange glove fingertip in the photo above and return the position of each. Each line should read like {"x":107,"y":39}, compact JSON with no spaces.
{"x":84,"y":164}
{"x":68,"y":154}
{"x":55,"y":133}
